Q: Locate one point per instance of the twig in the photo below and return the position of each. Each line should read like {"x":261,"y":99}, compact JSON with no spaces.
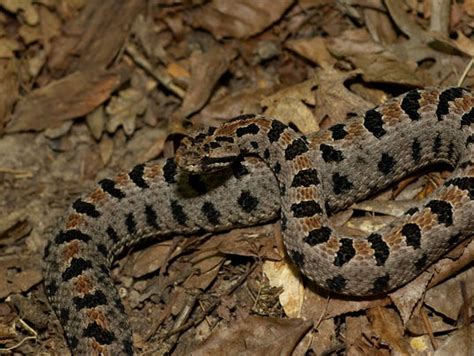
{"x":191,"y":323}
{"x":157,"y":73}
{"x":29,"y":329}
{"x":466,"y":70}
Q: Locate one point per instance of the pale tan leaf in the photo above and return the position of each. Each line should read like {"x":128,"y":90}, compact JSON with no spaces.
{"x":313,"y":49}
{"x":468,"y":6}
{"x":8,"y":46}
{"x":291,"y":105}
{"x":282,"y":274}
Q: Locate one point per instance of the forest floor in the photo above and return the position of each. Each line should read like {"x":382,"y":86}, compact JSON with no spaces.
{"x":91,"y":88}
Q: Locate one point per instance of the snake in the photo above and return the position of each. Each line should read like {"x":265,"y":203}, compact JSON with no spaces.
{"x":254,"y":169}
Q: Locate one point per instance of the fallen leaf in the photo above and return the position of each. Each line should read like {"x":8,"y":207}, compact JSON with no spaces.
{"x":459,"y":343}
{"x":244,"y":101}
{"x":25,"y":8}
{"x":72,"y":96}
{"x":468,"y":6}
{"x":208,"y":268}
{"x":386,"y":68}
{"x":387,"y":325}
{"x":124,"y":108}
{"x":290,"y":105}
{"x":8,"y":89}
{"x":18,"y":275}
{"x":313,"y":49}
{"x":333,"y":100}
{"x":254,"y":335}
{"x":150,"y":259}
{"x":239,"y":18}
{"x":353,"y":42}
{"x":379,"y":25}
{"x":407,"y":297}
{"x":8,"y":47}
{"x":80,"y":48}
{"x":282,"y":274}
{"x":447,"y":298}
{"x":206,"y":69}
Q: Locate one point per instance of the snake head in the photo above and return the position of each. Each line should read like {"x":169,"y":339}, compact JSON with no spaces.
{"x":206,"y":152}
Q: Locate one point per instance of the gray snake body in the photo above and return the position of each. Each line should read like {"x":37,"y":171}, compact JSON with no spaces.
{"x":311,"y":176}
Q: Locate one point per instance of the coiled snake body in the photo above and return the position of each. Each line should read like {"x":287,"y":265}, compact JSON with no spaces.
{"x":311,"y":176}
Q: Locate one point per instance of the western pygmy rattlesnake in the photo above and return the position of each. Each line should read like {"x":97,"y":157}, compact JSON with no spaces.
{"x":314,"y":175}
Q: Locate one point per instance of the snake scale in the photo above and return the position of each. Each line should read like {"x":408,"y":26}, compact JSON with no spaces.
{"x":302,"y":178}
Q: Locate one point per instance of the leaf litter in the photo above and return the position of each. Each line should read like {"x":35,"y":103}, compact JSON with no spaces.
{"x":90,"y":88}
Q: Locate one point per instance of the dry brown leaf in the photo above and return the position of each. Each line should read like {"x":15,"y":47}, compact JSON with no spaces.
{"x":8,"y":46}
{"x":316,"y":305}
{"x":417,"y":323}
{"x":455,"y":261}
{"x":206,"y":69}
{"x":404,"y":22}
{"x":178,"y":72}
{"x":18,"y":275}
{"x":81,"y":48}
{"x":244,"y":101}
{"x":145,"y":33}
{"x":24,"y":8}
{"x":124,"y":108}
{"x":256,"y":241}
{"x":307,"y":4}
{"x":96,"y":122}
{"x":8,"y":89}
{"x":14,"y":226}
{"x":29,"y":34}
{"x":333,"y":99}
{"x":65,"y":99}
{"x":407,"y":297}
{"x":385,"y":68}
{"x":313,"y":49}
{"x":323,"y":339}
{"x":151,"y":259}
{"x":379,"y":26}
{"x":353,"y":42}
{"x":459,"y":343}
{"x":464,"y":44}
{"x":387,"y":325}
{"x":50,"y":25}
{"x":208,"y":268}
{"x":468,"y":6}
{"x":106,"y":149}
{"x":447,"y":297}
{"x":255,"y":336}
{"x":357,"y":330}
{"x":291,"y":105}
{"x":156,"y":148}
{"x":239,"y":18}
{"x":36,"y":63}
